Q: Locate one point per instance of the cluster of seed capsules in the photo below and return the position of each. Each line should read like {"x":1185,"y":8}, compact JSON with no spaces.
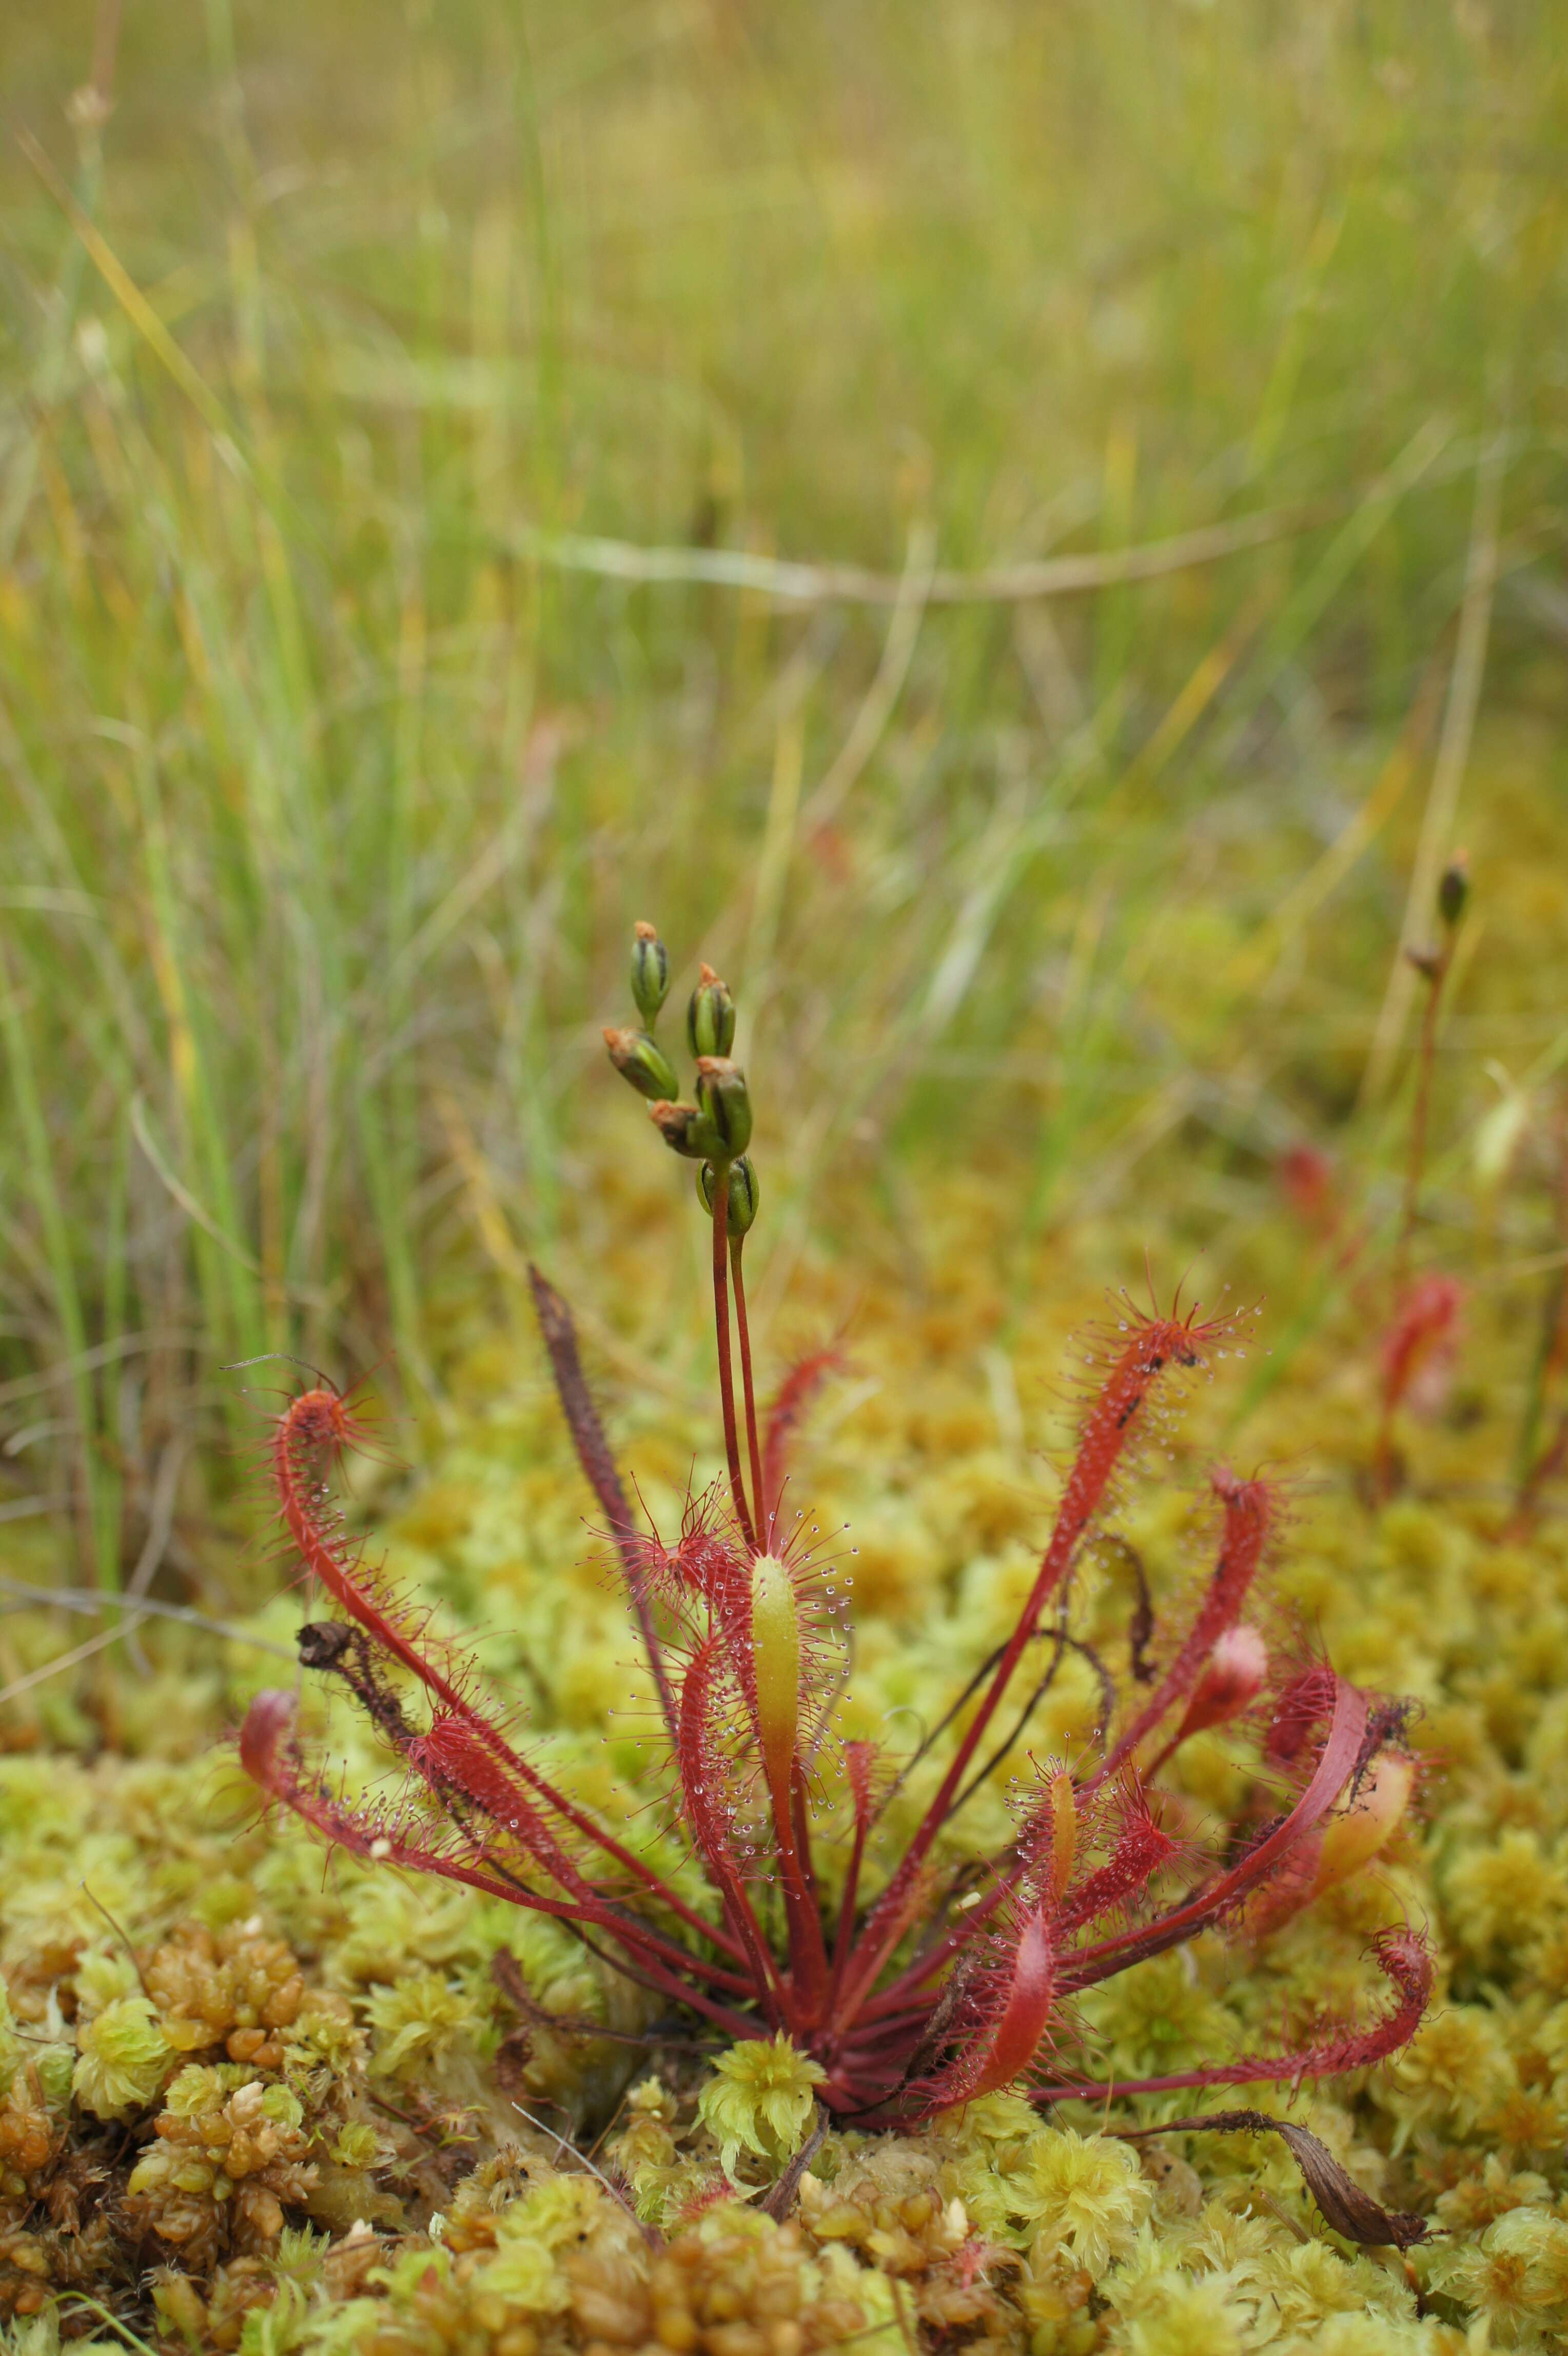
{"x":715,"y":1132}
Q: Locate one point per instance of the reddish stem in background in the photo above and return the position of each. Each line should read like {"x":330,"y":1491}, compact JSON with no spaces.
{"x":1434,"y":972}
{"x":1423,"y":1325}
{"x":1537,"y":1463}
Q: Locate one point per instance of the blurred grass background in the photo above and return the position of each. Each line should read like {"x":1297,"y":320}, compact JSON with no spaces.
{"x":406,"y":412}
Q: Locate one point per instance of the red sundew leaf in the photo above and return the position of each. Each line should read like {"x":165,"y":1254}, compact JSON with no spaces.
{"x":1226,"y":1891}
{"x":295,"y":1442}
{"x":704,"y":1791}
{"x":861,"y":1759}
{"x":1027,"y":2013}
{"x":1304,"y":1704}
{"x":1403,"y":1957}
{"x":269,"y":1755}
{"x":449,"y":1753}
{"x":1157,"y":1346}
{"x":789,"y":1404}
{"x":704,"y":1785}
{"x":1002,"y":2046}
{"x":1141,"y":1847}
{"x":594,"y":1455}
{"x":705,"y":1562}
{"x":267,"y":1730}
{"x":1251,"y":1509}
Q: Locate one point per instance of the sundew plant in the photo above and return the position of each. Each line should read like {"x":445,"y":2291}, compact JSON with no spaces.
{"x":910,"y":1977}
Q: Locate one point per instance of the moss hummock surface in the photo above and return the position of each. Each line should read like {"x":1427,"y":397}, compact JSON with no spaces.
{"x":258,"y":2100}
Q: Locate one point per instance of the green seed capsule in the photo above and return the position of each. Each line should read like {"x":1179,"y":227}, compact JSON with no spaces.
{"x":745,"y":1194}
{"x":650,"y":973}
{"x":642,"y":1060}
{"x":710,"y":1017}
{"x":723,"y":1098}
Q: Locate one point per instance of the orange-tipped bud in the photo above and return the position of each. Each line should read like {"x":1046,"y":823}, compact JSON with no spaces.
{"x":642,"y":1060}
{"x":710,"y":1017}
{"x":685,"y":1129}
{"x":650,"y":973}
{"x":1353,"y":1839}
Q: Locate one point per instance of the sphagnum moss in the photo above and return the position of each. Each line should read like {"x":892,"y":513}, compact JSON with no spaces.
{"x":985,"y":2228}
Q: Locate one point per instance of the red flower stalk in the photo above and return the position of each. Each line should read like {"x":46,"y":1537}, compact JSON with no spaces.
{"x":945,"y":1979}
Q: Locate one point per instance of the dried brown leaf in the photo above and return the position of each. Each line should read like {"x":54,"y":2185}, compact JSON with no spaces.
{"x":1341,"y":2201}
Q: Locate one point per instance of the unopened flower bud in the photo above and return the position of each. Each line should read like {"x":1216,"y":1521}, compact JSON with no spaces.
{"x":650,"y":973}
{"x":1454,"y":889}
{"x":743,"y":1192}
{"x":722,"y":1094}
{"x":710,"y":1017}
{"x":1232,"y":1680}
{"x":685,"y":1129}
{"x":642,"y":1061}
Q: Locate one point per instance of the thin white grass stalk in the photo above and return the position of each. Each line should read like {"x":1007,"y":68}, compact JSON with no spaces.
{"x":855,"y":585}
{"x":83,"y":1599}
{"x":85,"y":1651}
